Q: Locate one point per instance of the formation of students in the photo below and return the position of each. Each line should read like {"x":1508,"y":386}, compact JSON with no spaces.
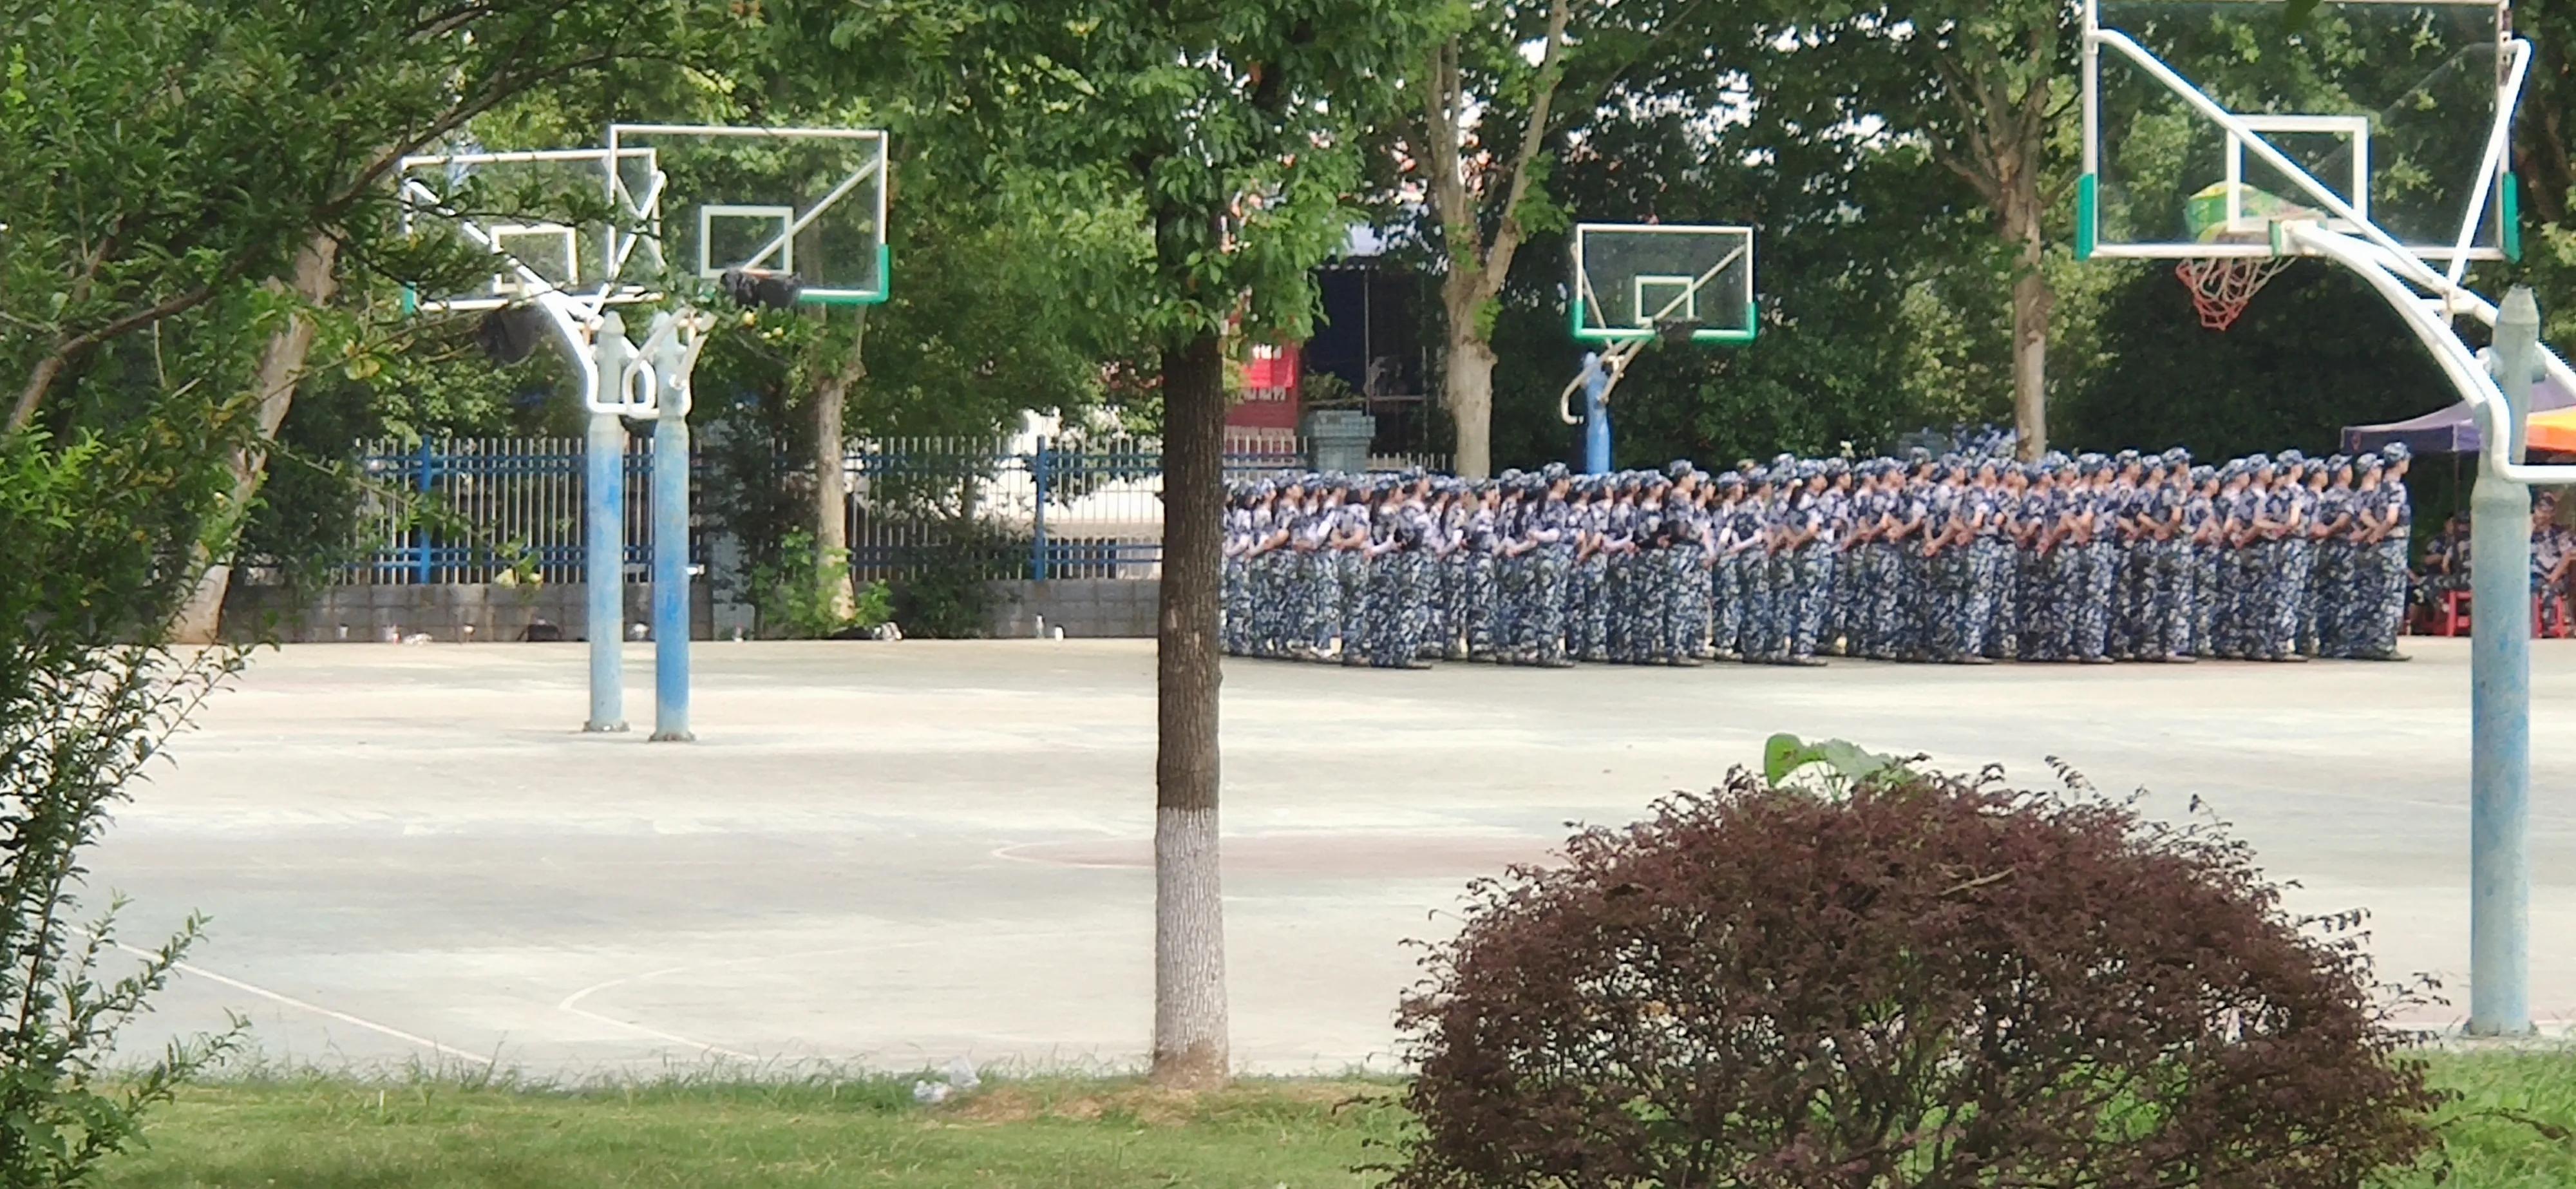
{"x":2553,"y":559}
{"x":1959,"y":559}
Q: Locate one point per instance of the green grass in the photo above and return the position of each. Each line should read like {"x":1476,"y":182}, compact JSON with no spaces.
{"x":2513,"y":1128}
{"x":1075,"y":1134}
{"x":2514,"y":1125}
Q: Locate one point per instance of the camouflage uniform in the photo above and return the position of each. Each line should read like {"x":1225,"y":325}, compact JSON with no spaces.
{"x":2382,"y":602}
{"x":1685,"y":609}
{"x":1996,"y":573}
{"x":1589,"y":587}
{"x":2205,"y":546}
{"x":1543,"y":630}
{"x":1806,"y":578}
{"x":1481,"y":588}
{"x":1237,"y":590}
{"x":1726,"y":571}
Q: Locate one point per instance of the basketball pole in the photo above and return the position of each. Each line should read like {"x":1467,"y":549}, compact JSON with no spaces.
{"x":603,"y":506}
{"x":1596,"y":415}
{"x":2500,"y":700}
{"x":671,"y":351}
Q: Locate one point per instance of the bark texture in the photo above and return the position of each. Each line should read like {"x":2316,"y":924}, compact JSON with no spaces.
{"x":1189,"y":926}
{"x":1477,"y":266}
{"x":314,"y":280}
{"x":831,"y":480}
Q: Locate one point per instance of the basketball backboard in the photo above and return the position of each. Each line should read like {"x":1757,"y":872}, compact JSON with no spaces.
{"x":1640,"y":280}
{"x":548,"y":218}
{"x":807,"y":203}
{"x":2210,"y":123}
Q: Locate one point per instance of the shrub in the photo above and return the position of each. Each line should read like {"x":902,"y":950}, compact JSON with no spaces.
{"x":946,"y":592}
{"x":797,"y":595}
{"x":1909,"y":980}
{"x":100,"y":528}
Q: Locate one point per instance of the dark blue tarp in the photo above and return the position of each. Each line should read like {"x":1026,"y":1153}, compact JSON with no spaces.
{"x":2444,"y":431}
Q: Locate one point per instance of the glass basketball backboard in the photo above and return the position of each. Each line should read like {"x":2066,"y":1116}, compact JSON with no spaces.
{"x":547,"y":218}
{"x":2209,"y":124}
{"x":1641,"y":280}
{"x":801,"y":203}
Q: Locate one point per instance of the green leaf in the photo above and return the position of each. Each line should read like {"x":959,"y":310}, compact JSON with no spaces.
{"x":1783,"y":754}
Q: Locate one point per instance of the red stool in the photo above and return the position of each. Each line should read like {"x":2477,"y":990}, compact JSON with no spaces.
{"x":2451,"y":617}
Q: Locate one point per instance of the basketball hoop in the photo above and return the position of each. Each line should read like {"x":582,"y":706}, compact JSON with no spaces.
{"x":1677,"y":332}
{"x":2221,"y":288}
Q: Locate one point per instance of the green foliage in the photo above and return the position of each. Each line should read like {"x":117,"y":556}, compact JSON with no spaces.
{"x":1324,"y":390}
{"x":2317,"y":350}
{"x":100,"y":527}
{"x":239,"y":130}
{"x":1228,"y":137}
{"x":1840,"y":761}
{"x":798,"y":594}
{"x":947,"y":592}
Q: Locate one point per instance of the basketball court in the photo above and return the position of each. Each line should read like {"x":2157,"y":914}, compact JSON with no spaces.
{"x":899,"y":854}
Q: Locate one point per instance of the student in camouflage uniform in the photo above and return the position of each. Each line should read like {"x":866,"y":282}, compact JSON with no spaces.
{"x":1588,"y":589}
{"x":1681,"y":583}
{"x":2383,"y":602}
{"x":1725,"y":572}
{"x":1245,"y":520}
{"x":2205,"y":540}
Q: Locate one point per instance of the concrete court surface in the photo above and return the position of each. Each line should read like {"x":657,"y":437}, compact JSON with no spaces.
{"x":896,"y":854}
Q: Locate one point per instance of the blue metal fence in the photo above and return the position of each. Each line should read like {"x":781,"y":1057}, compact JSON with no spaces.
{"x":500,"y":509}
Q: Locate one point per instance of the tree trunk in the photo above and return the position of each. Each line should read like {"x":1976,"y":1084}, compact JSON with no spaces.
{"x":2032,"y":303}
{"x":1189,"y":912}
{"x":831,"y":480}
{"x":281,"y":365}
{"x":1467,"y":388}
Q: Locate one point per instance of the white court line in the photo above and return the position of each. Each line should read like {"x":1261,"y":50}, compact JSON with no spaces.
{"x":572,"y":1003}
{"x":1009,"y":854}
{"x":317,"y":1009}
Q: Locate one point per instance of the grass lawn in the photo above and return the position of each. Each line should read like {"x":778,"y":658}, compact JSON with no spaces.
{"x":2515,"y":1128}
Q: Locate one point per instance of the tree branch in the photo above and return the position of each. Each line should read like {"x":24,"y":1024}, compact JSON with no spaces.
{"x":1551,"y":68}
{"x":41,"y":377}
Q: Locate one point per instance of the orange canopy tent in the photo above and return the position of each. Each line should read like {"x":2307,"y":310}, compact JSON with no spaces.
{"x":2553,"y":431}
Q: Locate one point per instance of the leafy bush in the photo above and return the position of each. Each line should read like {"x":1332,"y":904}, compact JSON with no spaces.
{"x":947,"y":592}
{"x":1903,"y":980}
{"x":99,"y":531}
{"x":797,"y":593}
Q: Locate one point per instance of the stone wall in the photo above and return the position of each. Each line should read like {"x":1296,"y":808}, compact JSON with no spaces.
{"x":1090,"y":608}
{"x":1084,"y":608}
{"x":362,"y":614}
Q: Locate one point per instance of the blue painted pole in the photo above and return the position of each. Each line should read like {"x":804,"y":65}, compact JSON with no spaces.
{"x":1037,"y":519}
{"x":2500,"y":703}
{"x":671,"y":573}
{"x":1596,"y":415}
{"x":603,"y":504}
{"x":425,"y":481}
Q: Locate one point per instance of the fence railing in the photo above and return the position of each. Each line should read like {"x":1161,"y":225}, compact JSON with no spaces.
{"x":451,"y":510}
{"x":474,"y":510}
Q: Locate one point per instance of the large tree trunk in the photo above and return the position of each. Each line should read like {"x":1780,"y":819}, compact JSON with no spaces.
{"x":2032,"y":303}
{"x":281,"y":364}
{"x":1189,"y":912}
{"x":1467,"y":388}
{"x":831,"y":480}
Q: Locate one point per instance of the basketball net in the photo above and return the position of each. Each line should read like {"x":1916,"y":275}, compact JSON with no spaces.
{"x":2220,"y":289}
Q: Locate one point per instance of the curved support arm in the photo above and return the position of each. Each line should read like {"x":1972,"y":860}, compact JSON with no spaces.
{"x":1614,"y":361}
{"x":2458,"y":361}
